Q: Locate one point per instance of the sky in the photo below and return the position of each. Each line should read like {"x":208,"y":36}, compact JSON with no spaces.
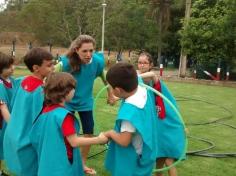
{"x":1,"y":2}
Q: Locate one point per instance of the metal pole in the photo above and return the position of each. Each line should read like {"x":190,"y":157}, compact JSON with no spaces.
{"x":218,"y":71}
{"x":103,"y":23}
{"x":13,"y":47}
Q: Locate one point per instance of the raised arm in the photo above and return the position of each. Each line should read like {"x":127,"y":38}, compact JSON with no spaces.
{"x":111,"y":99}
{"x":148,"y":76}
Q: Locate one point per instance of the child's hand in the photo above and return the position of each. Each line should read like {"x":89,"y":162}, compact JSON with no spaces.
{"x":111,"y":99}
{"x":102,"y":138}
{"x":186,"y":130}
{"x":2,"y":104}
{"x":108,"y":133}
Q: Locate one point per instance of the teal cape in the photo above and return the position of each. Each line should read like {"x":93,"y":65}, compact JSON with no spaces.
{"x":19,"y":154}
{"x":47,"y":139}
{"x":6,"y":96}
{"x":170,"y":130}
{"x":124,"y":160}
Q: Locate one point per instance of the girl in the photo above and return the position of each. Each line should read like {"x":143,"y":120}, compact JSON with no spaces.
{"x":6,"y":92}
{"x":54,"y":133}
{"x":171,"y":135}
{"x":85,"y":66}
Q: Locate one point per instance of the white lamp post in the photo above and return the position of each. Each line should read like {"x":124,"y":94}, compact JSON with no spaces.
{"x":103,"y":23}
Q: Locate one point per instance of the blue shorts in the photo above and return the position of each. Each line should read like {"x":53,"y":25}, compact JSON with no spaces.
{"x":86,"y":118}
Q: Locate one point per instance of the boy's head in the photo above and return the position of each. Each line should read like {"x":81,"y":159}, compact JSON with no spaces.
{"x":123,"y":78}
{"x":6,"y":65}
{"x":58,"y":87}
{"x":39,"y":61}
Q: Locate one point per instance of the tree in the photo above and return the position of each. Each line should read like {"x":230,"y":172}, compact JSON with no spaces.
{"x":205,"y":37}
{"x":183,"y":55}
{"x":160,"y":11}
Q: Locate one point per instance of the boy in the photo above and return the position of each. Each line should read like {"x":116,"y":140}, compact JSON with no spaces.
{"x":132,"y":150}
{"x":6,"y":92}
{"x":28,"y":102}
{"x":56,"y":126}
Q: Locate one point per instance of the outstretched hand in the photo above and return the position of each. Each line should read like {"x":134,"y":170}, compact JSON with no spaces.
{"x":108,"y":133}
{"x":102,"y":138}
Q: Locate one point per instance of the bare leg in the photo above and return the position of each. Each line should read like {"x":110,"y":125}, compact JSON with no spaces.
{"x":160,"y":164}
{"x":172,"y":171}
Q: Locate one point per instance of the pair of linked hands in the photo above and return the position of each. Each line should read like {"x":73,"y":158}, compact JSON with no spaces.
{"x":104,"y":137}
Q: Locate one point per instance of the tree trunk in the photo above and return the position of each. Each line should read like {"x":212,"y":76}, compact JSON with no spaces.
{"x":183,"y":56}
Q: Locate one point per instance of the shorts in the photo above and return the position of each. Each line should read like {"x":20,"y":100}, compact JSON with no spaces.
{"x":86,"y":118}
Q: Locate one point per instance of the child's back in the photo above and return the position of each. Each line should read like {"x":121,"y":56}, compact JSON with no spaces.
{"x":49,"y":143}
{"x":167,"y":126}
{"x":54,"y":134}
{"x":143,"y":119}
{"x":138,"y":110}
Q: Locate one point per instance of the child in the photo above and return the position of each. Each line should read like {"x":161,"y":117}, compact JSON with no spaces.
{"x":28,"y":102}
{"x":85,"y":66}
{"x":132,"y":150}
{"x":171,"y":135}
{"x":6,"y":91}
{"x":54,"y":134}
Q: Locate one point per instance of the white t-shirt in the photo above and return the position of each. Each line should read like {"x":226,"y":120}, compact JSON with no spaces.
{"x":139,"y":100}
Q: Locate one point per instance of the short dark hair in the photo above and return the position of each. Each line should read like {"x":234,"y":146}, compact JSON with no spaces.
{"x":5,"y":61}
{"x":36,"y":56}
{"x":123,"y":75}
{"x":57,"y":86}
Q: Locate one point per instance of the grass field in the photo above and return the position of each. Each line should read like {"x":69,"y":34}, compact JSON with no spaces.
{"x":224,"y":137}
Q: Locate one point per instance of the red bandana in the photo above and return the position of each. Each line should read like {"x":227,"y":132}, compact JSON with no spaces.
{"x":31,"y":83}
{"x":159,"y":101}
{"x":6,"y":83}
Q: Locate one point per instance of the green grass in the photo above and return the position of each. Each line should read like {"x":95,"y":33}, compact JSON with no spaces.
{"x":192,"y":112}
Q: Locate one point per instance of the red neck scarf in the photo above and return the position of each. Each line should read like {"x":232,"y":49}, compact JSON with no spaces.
{"x":6,"y":83}
{"x":159,"y":101}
